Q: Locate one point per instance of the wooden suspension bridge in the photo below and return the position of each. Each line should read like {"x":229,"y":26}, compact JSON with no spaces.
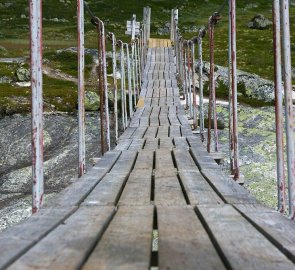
{"x":159,"y":183}
{"x":158,"y":200}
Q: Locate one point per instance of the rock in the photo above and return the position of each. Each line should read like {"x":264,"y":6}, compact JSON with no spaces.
{"x":22,"y":74}
{"x":91,"y":101}
{"x":259,"y":22}
{"x":5,"y":79}
{"x":165,"y":30}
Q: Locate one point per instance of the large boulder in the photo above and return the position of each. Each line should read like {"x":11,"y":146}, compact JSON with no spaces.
{"x":259,"y":22}
{"x":22,"y":75}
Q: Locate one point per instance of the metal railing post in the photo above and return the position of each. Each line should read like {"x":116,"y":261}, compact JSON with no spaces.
{"x":279,"y":106}
{"x":234,"y":90}
{"x":288,"y":106}
{"x":115,"y":85}
{"x":129,"y":83}
{"x":189,"y":80}
{"x":37,"y":104}
{"x":81,"y":88}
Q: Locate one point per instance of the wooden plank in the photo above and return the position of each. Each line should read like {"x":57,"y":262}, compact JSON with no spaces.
{"x":70,"y":197}
{"x":18,"y":239}
{"x":173,"y":120}
{"x":138,"y":188}
{"x":279,"y":229}
{"x":126,"y":243}
{"x":123,"y":144}
{"x":145,"y":160}
{"x":151,"y":132}
{"x":128,"y":133}
{"x":183,"y":242}
{"x":167,"y":189}
{"x":68,"y":245}
{"x":164,"y":159}
{"x":164,"y":120}
{"x":125,"y":162}
{"x":183,"y":159}
{"x":180,"y":142}
{"x":163,"y":132}
{"x":108,"y":191}
{"x":197,"y":189}
{"x":166,"y":143}
{"x":175,"y":131}
{"x":186,"y":130}
{"x":137,"y":144}
{"x":243,"y":246}
{"x":151,"y":144}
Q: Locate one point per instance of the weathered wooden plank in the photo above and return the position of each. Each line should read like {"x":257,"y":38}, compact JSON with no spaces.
{"x":126,"y":243}
{"x":274,"y":225}
{"x":186,"y":130}
{"x":166,"y":143}
{"x":163,"y":132}
{"x":197,"y":189}
{"x":137,"y":144}
{"x":125,"y":162}
{"x":151,"y":132}
{"x":151,"y":144}
{"x":144,"y":121}
{"x":108,"y":190}
{"x":145,"y":160}
{"x":183,"y":242}
{"x":164,"y":159}
{"x":183,"y":159}
{"x":164,"y":120}
{"x":162,"y":101}
{"x":173,"y":120}
{"x":128,"y":133}
{"x":154,"y":121}
{"x":18,"y":239}
{"x":123,"y":144}
{"x":69,"y":244}
{"x":243,"y":246}
{"x":138,"y":188}
{"x":167,"y":189}
{"x":180,"y":142}
{"x":77,"y":191}
{"x":174,"y":131}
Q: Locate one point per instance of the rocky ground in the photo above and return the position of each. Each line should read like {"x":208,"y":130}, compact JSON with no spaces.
{"x":60,"y":155}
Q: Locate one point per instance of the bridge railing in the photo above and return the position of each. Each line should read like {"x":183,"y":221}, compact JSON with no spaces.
{"x":185,"y":59}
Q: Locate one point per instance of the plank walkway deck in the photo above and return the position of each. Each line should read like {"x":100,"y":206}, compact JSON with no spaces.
{"x":159,"y":180}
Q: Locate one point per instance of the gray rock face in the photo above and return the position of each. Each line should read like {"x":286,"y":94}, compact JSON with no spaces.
{"x":259,"y":22}
{"x":60,"y":159}
{"x":22,"y":74}
{"x":250,"y":85}
{"x":5,"y":79}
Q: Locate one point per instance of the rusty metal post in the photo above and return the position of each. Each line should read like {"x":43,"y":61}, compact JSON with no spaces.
{"x":212,"y":102}
{"x":189,"y":80}
{"x":234,"y":90}
{"x":195,"y":122}
{"x":105,"y":85}
{"x":37,"y":103}
{"x":201,"y":35}
{"x":100,"y":83}
{"x":122,"y":69}
{"x":81,"y":87}
{"x":230,"y":111}
{"x":288,"y":106}
{"x":115,"y":84}
{"x":279,"y":107}
{"x":129,"y":83}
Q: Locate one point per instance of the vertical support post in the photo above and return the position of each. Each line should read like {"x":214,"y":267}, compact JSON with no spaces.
{"x":194,"y":40}
{"x":120,"y":43}
{"x":172,"y":26}
{"x":115,"y":84}
{"x":81,"y":87}
{"x":230,"y":111}
{"x":189,"y":82}
{"x":279,"y":106}
{"x":234,"y":90}
{"x":105,"y":85}
{"x":185,"y":72}
{"x":212,"y":102}
{"x":211,"y":85}
{"x":133,"y":20}
{"x":288,"y":106}
{"x":101,"y":87}
{"x":129,"y":82}
{"x":202,"y":33}
{"x":37,"y":103}
{"x":149,"y":11}
{"x":137,"y":71}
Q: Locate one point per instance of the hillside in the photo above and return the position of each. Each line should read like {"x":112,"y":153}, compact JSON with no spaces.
{"x":59,"y":22}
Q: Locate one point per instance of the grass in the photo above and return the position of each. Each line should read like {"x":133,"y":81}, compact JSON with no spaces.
{"x":254,"y":46}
